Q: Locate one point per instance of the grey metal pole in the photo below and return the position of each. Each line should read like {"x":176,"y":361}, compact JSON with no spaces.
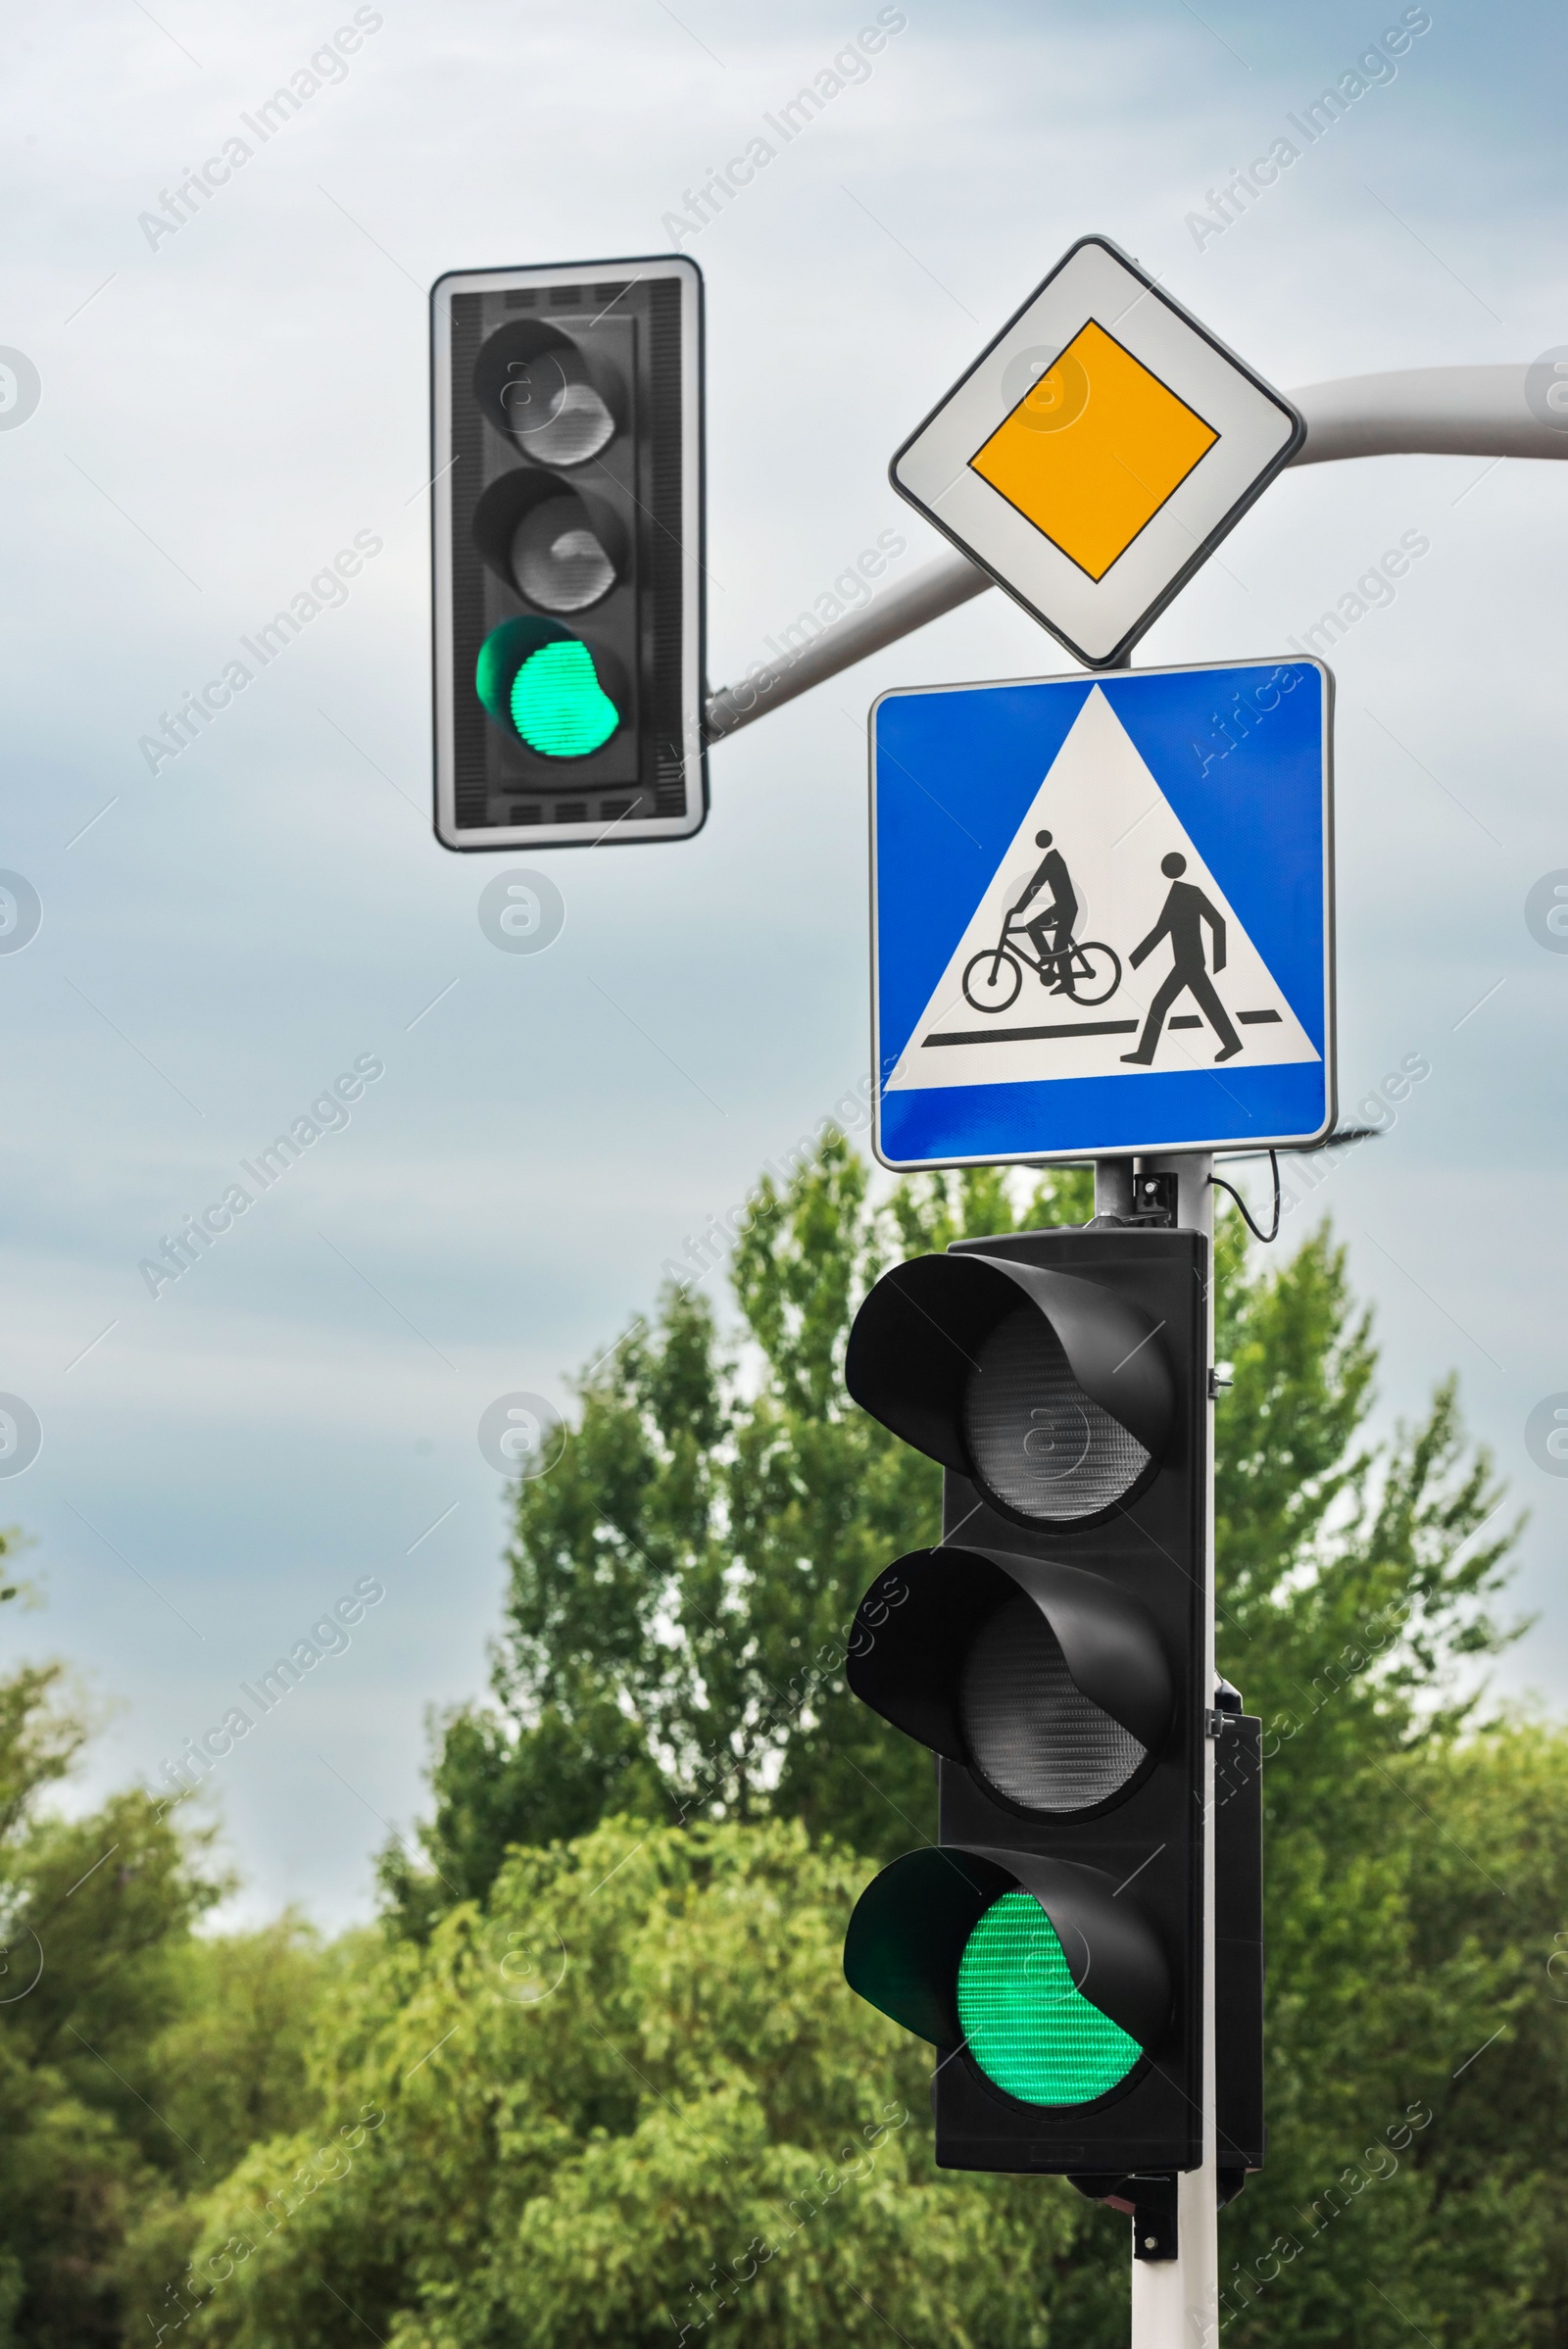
{"x":1176,"y":2302}
{"x":1445,"y":411}
{"x":934,"y":588}
{"x":1113,"y":1186}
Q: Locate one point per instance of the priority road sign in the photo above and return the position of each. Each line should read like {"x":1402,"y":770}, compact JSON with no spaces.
{"x":1098,"y":452}
{"x":1102,"y":914}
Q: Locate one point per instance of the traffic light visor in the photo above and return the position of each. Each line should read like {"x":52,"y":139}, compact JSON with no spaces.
{"x":1050,"y":1391}
{"x":1055,"y":1987}
{"x":1049,"y":1684}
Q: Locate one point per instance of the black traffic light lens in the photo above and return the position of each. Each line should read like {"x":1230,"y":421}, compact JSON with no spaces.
{"x":1041,"y":1444}
{"x":558,"y":559}
{"x":1028,"y":2023}
{"x":1031,"y":1731}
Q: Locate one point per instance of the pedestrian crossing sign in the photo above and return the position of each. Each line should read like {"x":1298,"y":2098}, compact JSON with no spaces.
{"x":1102,"y":914}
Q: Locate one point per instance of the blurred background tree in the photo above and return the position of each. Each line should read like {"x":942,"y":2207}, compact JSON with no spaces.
{"x":682,"y":1583}
{"x":598,"y":2076}
{"x":137,"y":2061}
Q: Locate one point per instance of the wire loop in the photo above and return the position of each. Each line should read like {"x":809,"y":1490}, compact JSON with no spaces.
{"x":1273,"y":1231}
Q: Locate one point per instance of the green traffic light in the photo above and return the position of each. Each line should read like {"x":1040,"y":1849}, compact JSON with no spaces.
{"x":1028,"y":2025}
{"x":558,"y":706}
{"x":536,"y":679}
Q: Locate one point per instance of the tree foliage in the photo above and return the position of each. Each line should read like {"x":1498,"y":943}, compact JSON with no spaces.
{"x":675,"y":1625}
{"x":630,"y":2095}
{"x":681,"y":1585}
{"x":130,"y":2075}
{"x":89,"y":1909}
{"x":598,"y":2076}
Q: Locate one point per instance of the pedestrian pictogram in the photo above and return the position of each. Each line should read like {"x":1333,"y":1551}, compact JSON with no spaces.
{"x":1098,"y":452}
{"x":1102,"y":914}
{"x":1182,"y":918}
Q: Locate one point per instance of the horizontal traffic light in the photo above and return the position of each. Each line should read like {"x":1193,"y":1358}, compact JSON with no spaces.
{"x":1055,"y":1989}
{"x":1052,"y":1392}
{"x":1049,"y":1684}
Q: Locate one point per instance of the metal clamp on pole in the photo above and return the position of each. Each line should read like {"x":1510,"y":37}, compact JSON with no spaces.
{"x":1150,"y":2204}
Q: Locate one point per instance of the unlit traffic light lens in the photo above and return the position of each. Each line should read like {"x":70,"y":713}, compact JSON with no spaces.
{"x":1041,"y":1444}
{"x":1033,"y":1733}
{"x":1027,"y":2025}
{"x":558,"y":559}
{"x":559,"y":420}
{"x":558,"y":706}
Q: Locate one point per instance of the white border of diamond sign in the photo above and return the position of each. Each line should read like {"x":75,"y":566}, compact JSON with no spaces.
{"x":1257,"y":432}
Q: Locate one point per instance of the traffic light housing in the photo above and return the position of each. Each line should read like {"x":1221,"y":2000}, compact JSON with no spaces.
{"x":567,"y":555}
{"x":1052,"y":1654}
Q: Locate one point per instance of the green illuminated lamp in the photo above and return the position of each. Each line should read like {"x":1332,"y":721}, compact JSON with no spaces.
{"x":1028,"y":2025}
{"x":538,"y":681}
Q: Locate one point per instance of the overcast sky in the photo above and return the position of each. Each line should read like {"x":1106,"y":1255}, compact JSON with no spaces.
{"x":222,"y":408}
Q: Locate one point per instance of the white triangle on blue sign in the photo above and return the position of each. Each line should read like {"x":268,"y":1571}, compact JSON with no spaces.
{"x":997,"y":1017}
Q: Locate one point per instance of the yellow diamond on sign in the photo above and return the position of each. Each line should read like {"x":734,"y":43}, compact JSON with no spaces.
{"x":1092,"y":449}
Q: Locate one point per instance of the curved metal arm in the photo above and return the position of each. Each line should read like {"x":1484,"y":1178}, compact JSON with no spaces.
{"x":1442,"y":412}
{"x":1425,"y":411}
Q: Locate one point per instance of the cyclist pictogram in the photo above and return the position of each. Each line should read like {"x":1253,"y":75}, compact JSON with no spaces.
{"x":1087,"y":972}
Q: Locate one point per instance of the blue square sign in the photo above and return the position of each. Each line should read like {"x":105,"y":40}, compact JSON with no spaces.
{"x":1102,"y":914}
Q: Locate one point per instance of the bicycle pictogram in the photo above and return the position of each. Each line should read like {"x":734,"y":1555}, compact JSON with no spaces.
{"x":1089,"y":972}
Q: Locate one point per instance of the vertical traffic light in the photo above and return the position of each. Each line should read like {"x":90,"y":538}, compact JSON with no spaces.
{"x":1051,"y":1653}
{"x":568,"y":521}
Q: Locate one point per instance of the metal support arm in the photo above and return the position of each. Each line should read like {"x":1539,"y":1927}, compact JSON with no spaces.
{"x":1442,"y":412}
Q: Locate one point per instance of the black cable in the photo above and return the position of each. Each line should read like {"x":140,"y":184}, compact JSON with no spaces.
{"x":1273,"y":1232}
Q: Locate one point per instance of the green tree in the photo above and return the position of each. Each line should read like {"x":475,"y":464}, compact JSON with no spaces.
{"x":1355,"y":1592}
{"x":706,"y":1534}
{"x":231,"y":2069}
{"x":682,"y":1583}
{"x":629,"y":2098}
{"x":91,"y":1912}
{"x":137,"y":2061}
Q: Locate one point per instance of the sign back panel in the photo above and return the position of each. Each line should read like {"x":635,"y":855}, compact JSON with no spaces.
{"x":1102,"y":914}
